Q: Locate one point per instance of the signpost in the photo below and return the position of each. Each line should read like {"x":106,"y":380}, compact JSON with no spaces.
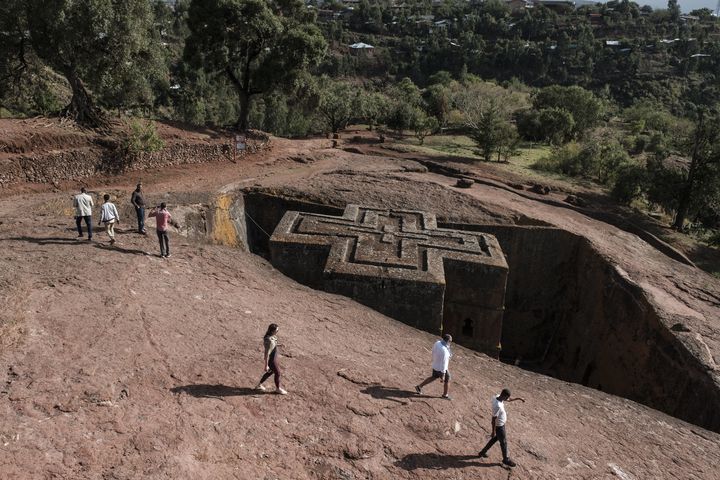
{"x":238,"y":146}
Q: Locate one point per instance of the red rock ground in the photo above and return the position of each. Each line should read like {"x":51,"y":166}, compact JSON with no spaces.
{"x":117,"y":364}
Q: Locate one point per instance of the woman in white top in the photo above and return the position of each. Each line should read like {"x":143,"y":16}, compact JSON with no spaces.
{"x":272,"y":367}
{"x":109,"y":216}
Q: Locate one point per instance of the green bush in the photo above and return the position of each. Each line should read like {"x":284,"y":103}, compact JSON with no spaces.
{"x":298,"y":124}
{"x":401,"y":116}
{"x":565,"y":160}
{"x":630,"y":183}
{"x":649,"y":116}
{"x":642,"y":142}
{"x":586,"y":109}
{"x":424,"y":125}
{"x":141,"y":138}
{"x":657,"y":144}
{"x":557,"y":125}
{"x":528,"y":125}
{"x":599,"y":160}
{"x":45,"y":101}
{"x":553,"y":125}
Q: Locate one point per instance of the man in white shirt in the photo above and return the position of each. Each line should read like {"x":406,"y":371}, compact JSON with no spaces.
{"x":499,"y":417}
{"x":83,"y":204}
{"x":440,"y":360}
{"x":109,"y":216}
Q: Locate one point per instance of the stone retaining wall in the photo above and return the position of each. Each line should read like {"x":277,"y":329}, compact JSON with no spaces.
{"x":95,"y":160}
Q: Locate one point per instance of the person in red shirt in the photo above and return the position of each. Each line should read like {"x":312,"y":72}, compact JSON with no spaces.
{"x":162,"y":219}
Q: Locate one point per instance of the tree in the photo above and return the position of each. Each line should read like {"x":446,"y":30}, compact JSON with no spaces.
{"x":508,"y":140}
{"x":406,"y":91}
{"x":97,"y":45}
{"x":557,"y":125}
{"x":423,"y":125}
{"x":439,"y":102}
{"x":703,"y":173}
{"x":600,"y":159}
{"x":401,"y":116}
{"x":202,"y":99}
{"x":406,"y":101}
{"x":14,"y":42}
{"x":339,"y":103}
{"x":487,"y":109}
{"x":256,"y":44}
{"x":673,"y":7}
{"x":630,"y":183}
{"x":375,"y":108}
{"x":585,"y":108}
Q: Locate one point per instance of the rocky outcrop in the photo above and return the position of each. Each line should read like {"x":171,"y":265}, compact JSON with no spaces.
{"x":569,"y":311}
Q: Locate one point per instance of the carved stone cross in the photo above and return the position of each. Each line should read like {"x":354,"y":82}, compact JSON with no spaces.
{"x":400,"y":263}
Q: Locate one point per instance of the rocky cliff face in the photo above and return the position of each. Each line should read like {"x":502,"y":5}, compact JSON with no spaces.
{"x":573,"y":314}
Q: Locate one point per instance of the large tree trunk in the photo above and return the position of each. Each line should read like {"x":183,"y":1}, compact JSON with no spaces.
{"x":243,"y":87}
{"x":82,"y":109}
{"x":242,"y":123}
{"x":687,"y":189}
{"x":684,"y":201}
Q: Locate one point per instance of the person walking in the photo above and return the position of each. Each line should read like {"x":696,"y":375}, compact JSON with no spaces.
{"x":271,"y":360}
{"x":497,"y":430}
{"x":83,"y":204}
{"x":162,"y":219}
{"x":138,"y":201}
{"x":109,"y":216}
{"x":440,"y":360}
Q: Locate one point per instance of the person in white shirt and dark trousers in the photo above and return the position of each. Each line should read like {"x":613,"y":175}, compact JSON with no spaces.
{"x":440,"y":360}
{"x":499,"y":417}
{"x":83,"y":204}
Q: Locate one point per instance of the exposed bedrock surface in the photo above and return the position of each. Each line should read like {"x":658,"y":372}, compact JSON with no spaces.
{"x":569,"y":311}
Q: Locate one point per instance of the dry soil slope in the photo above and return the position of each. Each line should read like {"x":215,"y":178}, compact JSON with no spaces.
{"x":130,"y":366}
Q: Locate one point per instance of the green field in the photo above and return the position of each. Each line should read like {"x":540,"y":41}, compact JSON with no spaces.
{"x":464,"y":149}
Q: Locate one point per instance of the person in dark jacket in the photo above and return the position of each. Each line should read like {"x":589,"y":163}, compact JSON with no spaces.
{"x":138,"y":201}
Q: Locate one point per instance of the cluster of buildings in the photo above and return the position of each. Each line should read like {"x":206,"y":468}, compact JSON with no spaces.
{"x":513,"y":4}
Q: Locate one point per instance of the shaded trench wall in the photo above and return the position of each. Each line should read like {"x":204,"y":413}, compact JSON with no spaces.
{"x":264,"y":211}
{"x":568,"y":313}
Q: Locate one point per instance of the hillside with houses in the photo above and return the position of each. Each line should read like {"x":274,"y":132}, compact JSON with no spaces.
{"x":618,"y":94}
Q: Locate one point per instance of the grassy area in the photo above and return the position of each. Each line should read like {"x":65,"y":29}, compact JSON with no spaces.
{"x":464,"y":148}
{"x":456,"y":145}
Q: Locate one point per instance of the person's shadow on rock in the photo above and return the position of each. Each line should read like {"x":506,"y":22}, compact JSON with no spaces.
{"x":440,"y":461}
{"x":214,"y":391}
{"x":120,"y":249}
{"x":49,"y":240}
{"x":391,"y":393}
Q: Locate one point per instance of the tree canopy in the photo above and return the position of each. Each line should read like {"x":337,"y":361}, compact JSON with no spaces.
{"x":256,"y":44}
{"x":99,"y":46}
